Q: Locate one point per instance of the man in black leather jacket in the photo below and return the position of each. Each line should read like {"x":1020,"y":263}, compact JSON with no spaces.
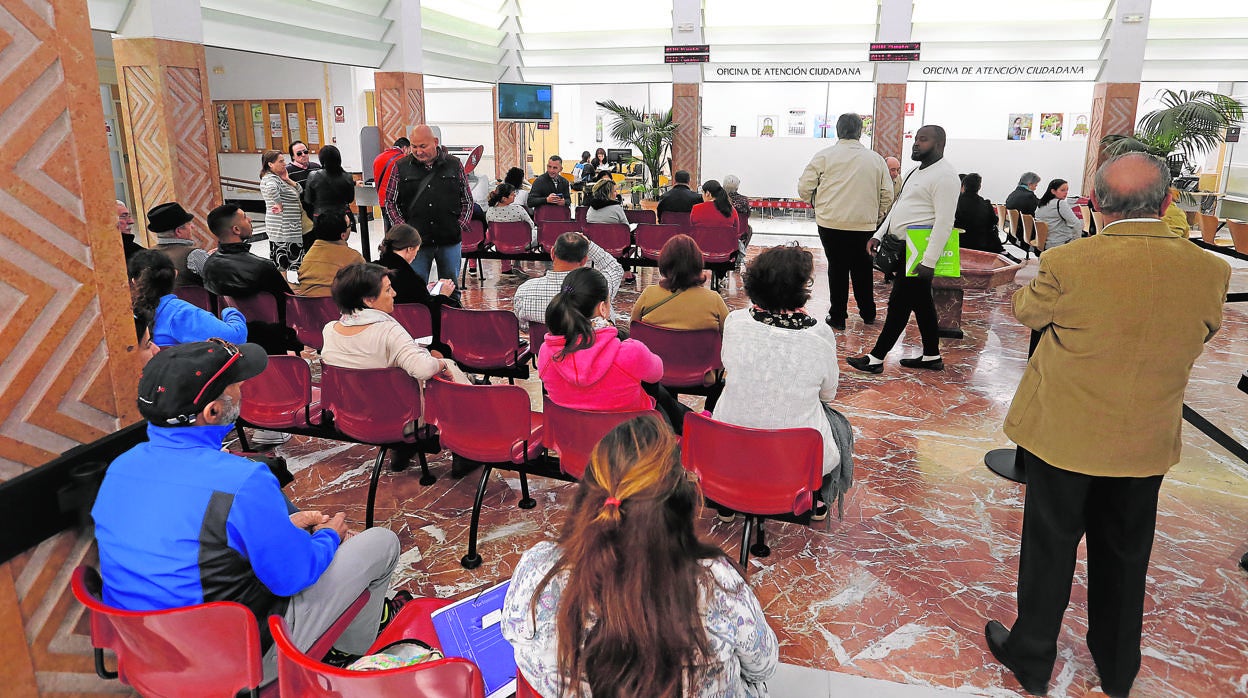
{"x":680,"y":198}
{"x":233,"y":270}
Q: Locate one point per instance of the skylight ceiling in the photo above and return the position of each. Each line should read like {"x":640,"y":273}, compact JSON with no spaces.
{"x":1206,"y":41}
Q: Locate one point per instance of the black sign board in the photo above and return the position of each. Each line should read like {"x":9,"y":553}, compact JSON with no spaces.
{"x":885,"y":52}
{"x":543,"y":126}
{"x":894,"y":47}
{"x":891,"y":57}
{"x":690,"y":58}
{"x":689,"y":48}
{"x":1232,"y":134}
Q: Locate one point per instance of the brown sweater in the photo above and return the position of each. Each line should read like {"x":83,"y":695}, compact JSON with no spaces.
{"x":320,"y":264}
{"x":697,"y":308}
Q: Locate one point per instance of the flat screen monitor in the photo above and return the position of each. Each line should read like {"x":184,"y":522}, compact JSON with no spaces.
{"x":616,"y":156}
{"x":523,"y":102}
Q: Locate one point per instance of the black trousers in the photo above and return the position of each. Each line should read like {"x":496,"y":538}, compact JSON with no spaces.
{"x":909,"y":294}
{"x":672,"y":409}
{"x":1118,"y":515}
{"x":846,"y":251}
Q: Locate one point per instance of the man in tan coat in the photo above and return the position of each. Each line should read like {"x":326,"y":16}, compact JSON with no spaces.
{"x":1124,"y":315}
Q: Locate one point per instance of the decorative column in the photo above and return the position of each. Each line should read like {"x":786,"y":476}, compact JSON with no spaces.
{"x":1113,"y":111}
{"x":400,"y":83}
{"x":508,"y":135}
{"x":889,"y":119}
{"x":1117,"y":93}
{"x":687,"y":91}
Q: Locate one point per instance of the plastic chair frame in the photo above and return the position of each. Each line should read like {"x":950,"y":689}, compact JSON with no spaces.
{"x":710,"y":392}
{"x":518,"y":367}
{"x":478,"y":234}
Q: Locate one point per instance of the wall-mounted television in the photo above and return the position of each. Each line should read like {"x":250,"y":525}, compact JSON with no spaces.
{"x":523,"y":102}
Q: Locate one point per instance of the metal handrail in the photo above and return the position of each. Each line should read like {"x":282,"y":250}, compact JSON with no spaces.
{"x":240,"y":183}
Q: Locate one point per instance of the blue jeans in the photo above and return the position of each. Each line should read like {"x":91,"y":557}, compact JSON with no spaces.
{"x":447,"y":257}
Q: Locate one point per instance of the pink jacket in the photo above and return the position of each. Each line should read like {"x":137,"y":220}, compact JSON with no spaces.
{"x":604,"y":377}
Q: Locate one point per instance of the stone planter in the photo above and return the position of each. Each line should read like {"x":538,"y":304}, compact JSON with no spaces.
{"x":980,"y":271}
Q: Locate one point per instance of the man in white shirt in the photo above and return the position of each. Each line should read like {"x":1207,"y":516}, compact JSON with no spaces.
{"x":929,"y":199}
{"x":571,"y":250}
{"x":849,"y":187}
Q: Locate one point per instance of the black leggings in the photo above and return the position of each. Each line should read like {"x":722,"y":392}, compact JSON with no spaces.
{"x":673,"y":410}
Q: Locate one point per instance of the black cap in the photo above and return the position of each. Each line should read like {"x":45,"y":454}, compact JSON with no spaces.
{"x":166,"y":217}
{"x":179,"y":381}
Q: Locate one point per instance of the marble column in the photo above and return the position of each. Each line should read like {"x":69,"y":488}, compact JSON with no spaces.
{"x":168,"y":116}
{"x":400,"y":104}
{"x":889,"y":120}
{"x":687,"y":145}
{"x":508,"y":149}
{"x":1113,"y":111}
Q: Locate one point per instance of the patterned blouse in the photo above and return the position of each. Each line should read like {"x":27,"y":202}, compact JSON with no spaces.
{"x":286,"y":226}
{"x":740,"y":639}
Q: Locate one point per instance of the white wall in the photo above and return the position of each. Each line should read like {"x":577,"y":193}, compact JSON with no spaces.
{"x":577,"y":110}
{"x":465,"y":116}
{"x":742,"y":104}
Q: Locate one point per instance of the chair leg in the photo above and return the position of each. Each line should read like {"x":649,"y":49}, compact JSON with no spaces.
{"x":372,"y":487}
{"x":526,"y":502}
{"x":426,"y":478}
{"x":472,"y":560}
{"x":745,"y":542}
{"x":100,"y":669}
{"x":760,"y":549}
{"x":242,"y":438}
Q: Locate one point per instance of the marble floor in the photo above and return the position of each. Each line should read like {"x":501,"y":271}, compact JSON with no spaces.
{"x":899,"y":590}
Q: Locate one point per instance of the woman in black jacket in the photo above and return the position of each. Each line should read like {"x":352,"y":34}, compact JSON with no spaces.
{"x":397,"y":250}
{"x":328,"y":190}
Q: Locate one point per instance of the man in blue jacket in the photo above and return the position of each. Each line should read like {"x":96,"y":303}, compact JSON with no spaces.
{"x":180,"y":522}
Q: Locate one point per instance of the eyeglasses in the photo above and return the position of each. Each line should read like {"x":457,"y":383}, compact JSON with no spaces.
{"x":234,"y":354}
{"x":300,"y":152}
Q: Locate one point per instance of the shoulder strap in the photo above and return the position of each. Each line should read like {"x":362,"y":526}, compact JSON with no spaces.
{"x":646,"y":311}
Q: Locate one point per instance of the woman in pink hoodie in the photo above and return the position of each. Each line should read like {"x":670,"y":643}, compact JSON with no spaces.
{"x":585,"y":365}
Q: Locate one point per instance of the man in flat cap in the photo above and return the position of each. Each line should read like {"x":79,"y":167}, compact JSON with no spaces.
{"x":175,"y":237}
{"x":181,"y":522}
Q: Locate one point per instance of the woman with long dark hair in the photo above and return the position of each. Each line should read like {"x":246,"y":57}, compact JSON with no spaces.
{"x":329,"y":190}
{"x":629,"y":601}
{"x":283,"y":223}
{"x":1054,"y":210}
{"x":716,"y":208}
{"x":396,"y":252}
{"x":173,"y":320}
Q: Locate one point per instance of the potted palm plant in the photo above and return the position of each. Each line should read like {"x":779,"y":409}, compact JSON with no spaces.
{"x":648,"y":135}
{"x":1187,"y":125}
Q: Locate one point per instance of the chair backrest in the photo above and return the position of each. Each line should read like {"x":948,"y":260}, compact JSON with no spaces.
{"x":415,"y":318}
{"x":261,"y":307}
{"x":1042,"y":235}
{"x":1239,"y":234}
{"x":581,"y":212}
{"x":309,"y":316}
{"x":551,"y":212}
{"x":1208,"y":227}
{"x":1014,"y":215}
{"x":537,"y":335}
{"x":574,"y":434}
{"x":641,"y":215}
{"x":197,"y":296}
{"x":486,"y":423}
{"x":754,"y":471}
{"x":718,"y":243}
{"x":203,"y":650}
{"x":1028,"y":231}
{"x":612,"y":237}
{"x":300,"y":675}
{"x":549,"y":231}
{"x":674,"y":217}
{"x":687,"y":354}
{"x":279,"y":397}
{"x":743,"y":222}
{"x":999,"y":209}
{"x":474,"y":237}
{"x":370,"y":405}
{"x":510,"y":237}
{"x":481,"y":338}
{"x":1085,"y":215}
{"x":1099,"y":219}
{"x":651,"y":237}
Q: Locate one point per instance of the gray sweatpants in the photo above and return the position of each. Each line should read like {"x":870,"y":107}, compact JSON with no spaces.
{"x":363,"y":562}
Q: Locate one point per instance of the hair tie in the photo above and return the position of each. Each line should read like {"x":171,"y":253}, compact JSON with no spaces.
{"x":567,"y":288}
{"x":611,"y":501}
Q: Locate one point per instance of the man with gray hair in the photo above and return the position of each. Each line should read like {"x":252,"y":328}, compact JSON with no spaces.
{"x":1123,"y":315}
{"x":850,"y":189}
{"x":1023,"y":198}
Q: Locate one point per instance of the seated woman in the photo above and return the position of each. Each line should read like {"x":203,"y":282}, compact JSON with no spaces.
{"x":585,"y":365}
{"x":780,"y":363}
{"x":396,"y":252}
{"x":680,"y":301}
{"x":976,"y":219}
{"x":328,"y":254}
{"x":174,"y":321}
{"x":716,"y":207}
{"x":504,"y":209}
{"x":515,"y":177}
{"x":604,"y":204}
{"x":629,"y":543}
{"x":1054,"y":210}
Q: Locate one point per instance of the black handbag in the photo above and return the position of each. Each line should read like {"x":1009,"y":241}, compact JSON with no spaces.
{"x":890,"y":255}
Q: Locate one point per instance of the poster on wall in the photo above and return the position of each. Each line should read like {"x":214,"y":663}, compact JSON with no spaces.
{"x":314,"y":135}
{"x":767,"y":126}
{"x":1019,"y":127}
{"x":797,"y":122}
{"x":598,"y":127}
{"x":1050,"y":126}
{"x":1076,"y":127}
{"x":292,"y":121}
{"x":824,"y":128}
{"x":223,"y":126}
{"x":868,"y":125}
{"x":275,"y":125}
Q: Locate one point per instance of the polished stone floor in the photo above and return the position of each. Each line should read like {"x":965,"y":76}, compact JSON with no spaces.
{"x":928,"y":549}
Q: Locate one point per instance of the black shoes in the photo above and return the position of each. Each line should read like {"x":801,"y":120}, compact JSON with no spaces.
{"x":868,"y":319}
{"x":1243,"y":562}
{"x":996,"y":635}
{"x":937,"y":364}
{"x":863,"y":363}
{"x":838,"y":325}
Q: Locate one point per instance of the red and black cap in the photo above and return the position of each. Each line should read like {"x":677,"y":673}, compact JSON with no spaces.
{"x":179,"y":381}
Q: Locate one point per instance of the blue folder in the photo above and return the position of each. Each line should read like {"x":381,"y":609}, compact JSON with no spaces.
{"x":471,"y":628}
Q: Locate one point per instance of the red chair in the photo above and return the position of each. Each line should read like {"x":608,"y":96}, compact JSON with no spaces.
{"x":485,"y":342}
{"x":301,"y":675}
{"x":262,"y":307}
{"x":537,"y":335}
{"x":761,"y":473}
{"x":615,"y":238}
{"x":688,"y":357}
{"x":510,"y":238}
{"x":472,"y":244}
{"x":309,"y":316}
{"x":282,"y":398}
{"x":523,"y":689}
{"x":574,"y":434}
{"x":551,"y":212}
{"x":674,"y":218}
{"x":382,"y":407}
{"x":719,"y":244}
{"x":641,"y":215}
{"x":743,"y":224}
{"x":581,"y":212}
{"x":495,"y":426}
{"x":549,"y":231}
{"x":197,"y":296}
{"x":415,"y":318}
{"x":651,"y":237}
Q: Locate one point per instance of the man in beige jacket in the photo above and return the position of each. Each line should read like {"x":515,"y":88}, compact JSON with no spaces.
{"x":851,"y":191}
{"x":1124,"y":315}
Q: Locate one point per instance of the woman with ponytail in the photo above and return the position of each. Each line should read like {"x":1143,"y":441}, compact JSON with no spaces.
{"x":174,"y":321}
{"x":716,"y":207}
{"x":629,"y":601}
{"x":396,"y":252}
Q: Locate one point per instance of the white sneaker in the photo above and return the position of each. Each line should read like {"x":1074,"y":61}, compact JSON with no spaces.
{"x":264,"y":437}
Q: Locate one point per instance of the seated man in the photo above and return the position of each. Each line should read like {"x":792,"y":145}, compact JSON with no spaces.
{"x":175,"y":237}
{"x":180,"y":522}
{"x":233,"y":270}
{"x":680,"y":198}
{"x":572,"y":250}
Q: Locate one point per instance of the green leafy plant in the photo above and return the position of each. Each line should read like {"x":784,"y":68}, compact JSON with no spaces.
{"x":651,"y":135}
{"x":1187,"y":125}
